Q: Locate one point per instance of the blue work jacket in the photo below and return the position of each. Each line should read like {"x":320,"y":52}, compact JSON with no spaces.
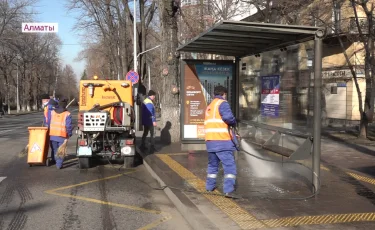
{"x":148,"y":112}
{"x":228,"y":117}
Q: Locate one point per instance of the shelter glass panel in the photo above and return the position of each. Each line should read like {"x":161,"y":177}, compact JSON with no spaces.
{"x":276,"y":88}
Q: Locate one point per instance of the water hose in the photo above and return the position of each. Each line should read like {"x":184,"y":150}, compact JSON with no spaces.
{"x":316,"y":190}
{"x":235,"y":132}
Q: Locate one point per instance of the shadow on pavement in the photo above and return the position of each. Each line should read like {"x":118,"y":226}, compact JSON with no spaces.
{"x":370,"y":170}
{"x":161,"y":142}
{"x":354,"y":146}
{"x":360,"y":188}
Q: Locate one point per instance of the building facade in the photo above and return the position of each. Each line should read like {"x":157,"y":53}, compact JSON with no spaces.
{"x":294,"y":65}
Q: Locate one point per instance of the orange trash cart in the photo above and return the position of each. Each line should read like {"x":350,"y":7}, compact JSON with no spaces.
{"x":38,"y":146}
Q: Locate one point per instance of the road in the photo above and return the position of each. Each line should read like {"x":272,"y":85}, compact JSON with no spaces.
{"x":101,"y":197}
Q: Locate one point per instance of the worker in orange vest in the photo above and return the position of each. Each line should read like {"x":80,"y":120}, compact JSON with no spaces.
{"x":220,"y":142}
{"x":60,"y":129}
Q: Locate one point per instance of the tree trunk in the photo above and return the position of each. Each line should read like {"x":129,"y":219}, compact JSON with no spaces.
{"x":170,"y":112}
{"x":367,"y":112}
{"x":124,"y":46}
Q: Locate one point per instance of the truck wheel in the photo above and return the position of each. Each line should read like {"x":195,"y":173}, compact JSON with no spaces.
{"x":129,"y":162}
{"x":84,"y":162}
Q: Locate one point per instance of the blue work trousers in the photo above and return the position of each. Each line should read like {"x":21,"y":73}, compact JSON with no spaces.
{"x":230,"y":171}
{"x":55,"y":146}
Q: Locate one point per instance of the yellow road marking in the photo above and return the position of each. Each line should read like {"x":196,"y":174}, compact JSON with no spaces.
{"x":362,"y":178}
{"x":322,"y":219}
{"x":177,"y":154}
{"x":166,"y":216}
{"x":91,"y":181}
{"x":104,"y":202}
{"x":247,"y":221}
{"x":324,"y":168}
{"x":244,"y":219}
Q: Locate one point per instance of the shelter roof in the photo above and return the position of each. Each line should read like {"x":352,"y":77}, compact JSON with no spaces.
{"x":239,"y":38}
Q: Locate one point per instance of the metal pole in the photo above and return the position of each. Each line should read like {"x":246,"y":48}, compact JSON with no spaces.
{"x":18,"y":96}
{"x":118,"y":52}
{"x":236,"y":80}
{"x":149,"y":78}
{"x":137,"y":118}
{"x":135,"y":34}
{"x":118,"y":68}
{"x":148,"y":50}
{"x":317,"y":112}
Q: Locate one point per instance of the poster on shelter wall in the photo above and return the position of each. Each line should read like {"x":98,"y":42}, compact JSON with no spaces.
{"x":270,"y":96}
{"x":200,"y":79}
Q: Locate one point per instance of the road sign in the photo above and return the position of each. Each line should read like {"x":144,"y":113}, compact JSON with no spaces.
{"x":132,"y":76}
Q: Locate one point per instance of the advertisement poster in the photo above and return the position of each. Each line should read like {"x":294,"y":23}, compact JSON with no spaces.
{"x":270,"y":96}
{"x":200,"y":79}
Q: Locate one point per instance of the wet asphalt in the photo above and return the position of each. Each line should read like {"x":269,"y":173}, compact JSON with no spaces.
{"x":102,"y":197}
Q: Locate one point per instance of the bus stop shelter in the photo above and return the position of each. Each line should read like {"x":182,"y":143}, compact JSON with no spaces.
{"x":241,"y":39}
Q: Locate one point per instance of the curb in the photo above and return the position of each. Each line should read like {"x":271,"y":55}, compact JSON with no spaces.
{"x":20,"y":114}
{"x":195,"y":218}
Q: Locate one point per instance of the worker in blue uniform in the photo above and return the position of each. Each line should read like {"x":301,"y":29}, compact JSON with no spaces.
{"x":60,"y":129}
{"x":48,"y":108}
{"x":51,"y":105}
{"x":220,"y":142}
{"x":149,"y":120}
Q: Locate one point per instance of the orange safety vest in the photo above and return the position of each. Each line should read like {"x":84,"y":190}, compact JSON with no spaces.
{"x":57,"y":126}
{"x":46,"y":113}
{"x":216,"y":129}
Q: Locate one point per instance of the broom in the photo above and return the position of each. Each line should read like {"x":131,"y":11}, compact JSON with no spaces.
{"x":61,"y":151}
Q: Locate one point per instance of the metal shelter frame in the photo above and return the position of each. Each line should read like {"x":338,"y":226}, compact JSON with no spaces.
{"x":240,"y":39}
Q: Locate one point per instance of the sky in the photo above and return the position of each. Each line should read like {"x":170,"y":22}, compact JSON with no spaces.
{"x":54,"y":11}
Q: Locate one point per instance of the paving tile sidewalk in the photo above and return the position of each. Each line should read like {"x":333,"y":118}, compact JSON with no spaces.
{"x":269,"y":191}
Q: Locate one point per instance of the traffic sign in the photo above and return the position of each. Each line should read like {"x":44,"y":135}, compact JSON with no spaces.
{"x":132,"y":76}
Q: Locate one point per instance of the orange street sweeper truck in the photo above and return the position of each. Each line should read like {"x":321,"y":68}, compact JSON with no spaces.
{"x":106,"y":122}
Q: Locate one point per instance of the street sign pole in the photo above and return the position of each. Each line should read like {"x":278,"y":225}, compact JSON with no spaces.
{"x":136,"y":107}
{"x":134,"y":78}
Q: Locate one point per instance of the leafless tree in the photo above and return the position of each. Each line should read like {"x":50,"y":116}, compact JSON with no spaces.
{"x":65,"y":83}
{"x":28,"y":60}
{"x":169,"y":62}
{"x":111,"y":23}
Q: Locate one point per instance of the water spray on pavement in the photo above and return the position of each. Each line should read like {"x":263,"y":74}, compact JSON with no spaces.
{"x":261,"y":168}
